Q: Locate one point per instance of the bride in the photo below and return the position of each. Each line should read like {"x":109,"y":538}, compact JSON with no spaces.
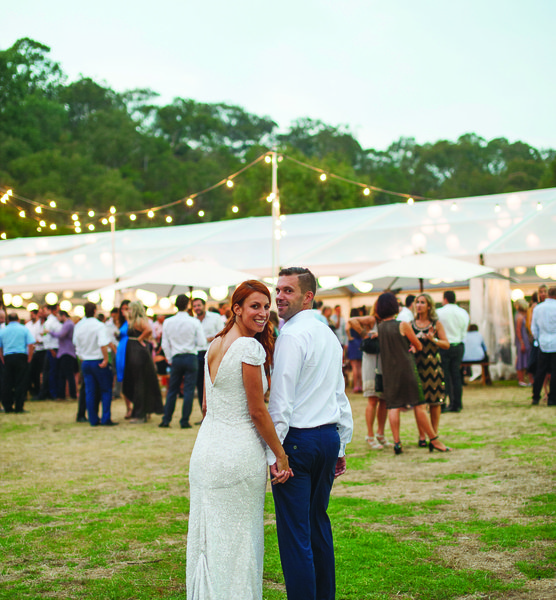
{"x":227,"y":472}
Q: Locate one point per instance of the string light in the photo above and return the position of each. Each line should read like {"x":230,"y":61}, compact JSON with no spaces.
{"x":77,"y":224}
{"x":410,"y":201}
{"x":91,"y":213}
{"x":201,"y":213}
{"x":235,"y":209}
{"x":22,"y":214}
{"x":53,"y":226}
{"x":268,"y":159}
{"x":112,"y":210}
{"x":189,"y":202}
{"x":230,"y":183}
{"x":91,"y":227}
{"x":150,"y":214}
{"x":78,"y":230}
{"x":168,"y":219}
{"x":75,"y":217}
{"x":323,"y":177}
{"x":52,"y":204}
{"x":3,"y":236}
{"x":112,"y":219}
{"x":366,"y":191}
{"x":132,"y":217}
{"x":38,"y":210}
{"x":104,"y":221}
{"x":9,"y":193}
{"x":42,"y":223}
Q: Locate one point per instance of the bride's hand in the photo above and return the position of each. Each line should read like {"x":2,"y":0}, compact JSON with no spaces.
{"x":280,"y":470}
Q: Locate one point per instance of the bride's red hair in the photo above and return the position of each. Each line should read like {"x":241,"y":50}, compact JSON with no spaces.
{"x":266,"y":337}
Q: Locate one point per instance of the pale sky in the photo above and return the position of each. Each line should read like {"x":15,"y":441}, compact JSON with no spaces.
{"x":432,"y":69}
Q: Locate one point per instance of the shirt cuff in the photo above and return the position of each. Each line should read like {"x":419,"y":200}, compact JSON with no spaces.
{"x":342,"y":451}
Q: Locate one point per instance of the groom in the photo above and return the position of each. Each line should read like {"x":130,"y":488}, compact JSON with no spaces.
{"x":313,"y":419}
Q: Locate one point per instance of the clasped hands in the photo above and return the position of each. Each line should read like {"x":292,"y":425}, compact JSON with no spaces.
{"x":280,"y":471}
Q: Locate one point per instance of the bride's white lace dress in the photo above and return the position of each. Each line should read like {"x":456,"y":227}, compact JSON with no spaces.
{"x":227,"y":477}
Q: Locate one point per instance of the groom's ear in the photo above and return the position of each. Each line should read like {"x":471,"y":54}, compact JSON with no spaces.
{"x":308,"y":299}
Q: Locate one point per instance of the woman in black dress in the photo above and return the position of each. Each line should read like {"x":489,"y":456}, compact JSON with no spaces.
{"x":399,"y":373}
{"x":140,"y":382}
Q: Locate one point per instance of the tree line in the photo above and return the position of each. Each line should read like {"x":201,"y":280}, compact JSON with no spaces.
{"x":85,"y":146}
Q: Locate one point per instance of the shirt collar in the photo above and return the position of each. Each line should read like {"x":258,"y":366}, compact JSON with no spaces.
{"x":302,"y":314}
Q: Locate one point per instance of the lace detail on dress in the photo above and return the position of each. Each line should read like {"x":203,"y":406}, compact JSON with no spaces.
{"x":227,"y":477}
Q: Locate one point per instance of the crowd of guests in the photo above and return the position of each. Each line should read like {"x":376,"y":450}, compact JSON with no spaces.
{"x":415,"y":363}
{"x":95,"y":359}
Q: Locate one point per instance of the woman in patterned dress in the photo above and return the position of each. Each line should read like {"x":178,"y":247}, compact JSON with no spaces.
{"x":430,"y":332}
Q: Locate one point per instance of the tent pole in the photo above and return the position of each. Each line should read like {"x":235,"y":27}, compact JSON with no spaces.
{"x":421,"y":285}
{"x":276,"y":223}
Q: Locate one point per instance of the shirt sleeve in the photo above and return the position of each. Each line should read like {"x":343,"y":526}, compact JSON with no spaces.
{"x":200,"y":337}
{"x":288,"y":361}
{"x":345,"y":422}
{"x":253,"y":352}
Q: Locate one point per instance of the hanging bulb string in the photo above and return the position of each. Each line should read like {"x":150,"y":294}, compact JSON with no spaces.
{"x":351,"y":181}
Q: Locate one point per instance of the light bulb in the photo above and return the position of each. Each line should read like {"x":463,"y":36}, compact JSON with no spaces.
{"x":235,"y":209}
{"x":132,"y":217}
{"x":22,"y":214}
{"x":168,"y":219}
{"x":111,"y":219}
{"x":410,"y":201}
{"x":75,"y":217}
{"x":230,"y":183}
{"x":77,"y":224}
{"x":3,"y":235}
{"x":38,"y":210}
{"x":52,"y":204}
{"x":267,"y":159}
{"x":42,"y":223}
{"x":189,"y":202}
{"x":9,"y":193}
{"x":366,"y":191}
{"x":53,"y":226}
{"x":104,"y":221}
{"x":323,"y":176}
{"x":150,"y":214}
{"x":112,"y":210}
{"x":91,"y":227}
{"x":201,"y":213}
{"x":78,"y":230}
{"x":91,"y":213}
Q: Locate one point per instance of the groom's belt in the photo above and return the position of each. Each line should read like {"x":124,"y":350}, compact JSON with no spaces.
{"x":327,"y":426}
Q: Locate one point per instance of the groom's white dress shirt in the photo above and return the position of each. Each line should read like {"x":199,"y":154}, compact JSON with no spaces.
{"x":307,"y":385}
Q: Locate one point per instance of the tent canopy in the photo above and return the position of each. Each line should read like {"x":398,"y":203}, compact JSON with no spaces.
{"x":507,"y":229}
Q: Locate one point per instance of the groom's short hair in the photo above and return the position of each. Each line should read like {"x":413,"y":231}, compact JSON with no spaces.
{"x":307,"y":281}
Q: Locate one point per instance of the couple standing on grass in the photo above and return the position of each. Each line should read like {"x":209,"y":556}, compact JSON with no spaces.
{"x":302,"y":436}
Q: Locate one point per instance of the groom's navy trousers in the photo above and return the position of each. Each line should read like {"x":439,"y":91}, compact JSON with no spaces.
{"x":304,"y":531}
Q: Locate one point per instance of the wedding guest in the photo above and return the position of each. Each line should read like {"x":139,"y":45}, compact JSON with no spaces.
{"x":121,"y":352}
{"x":35,"y":325}
{"x":66,"y":356}
{"x":51,"y":346}
{"x":430,"y":332}
{"x":211,"y":325}
{"x":371,"y":374}
{"x":544,"y":330}
{"x":406,"y":312}
{"x":339,"y":325}
{"x":354,"y":354}
{"x":399,"y":373}
{"x":522,"y":342}
{"x":91,"y":343}
{"x":455,"y":321}
{"x":182,"y":335}
{"x":16,"y":352}
{"x":312,"y":416}
{"x":140,"y":383}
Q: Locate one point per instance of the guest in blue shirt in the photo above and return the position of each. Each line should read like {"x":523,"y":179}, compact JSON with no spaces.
{"x":16,"y":351}
{"x":543,"y":327}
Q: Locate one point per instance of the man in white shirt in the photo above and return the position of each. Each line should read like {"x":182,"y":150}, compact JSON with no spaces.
{"x":35,"y":326}
{"x":211,"y":324}
{"x":455,"y":321}
{"x":51,"y":344}
{"x":313,"y":419}
{"x":182,"y":335}
{"x":91,"y":345}
{"x":406,"y":312}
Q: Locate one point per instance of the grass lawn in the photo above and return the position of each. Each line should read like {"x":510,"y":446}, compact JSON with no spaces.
{"x":101,"y":513}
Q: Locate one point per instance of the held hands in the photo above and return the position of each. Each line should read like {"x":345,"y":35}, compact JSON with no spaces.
{"x":280,"y":470}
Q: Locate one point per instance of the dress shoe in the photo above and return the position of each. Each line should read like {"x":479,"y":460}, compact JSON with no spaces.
{"x":164,"y":425}
{"x":81,"y":420}
{"x":109,"y":424}
{"x":187,"y":426}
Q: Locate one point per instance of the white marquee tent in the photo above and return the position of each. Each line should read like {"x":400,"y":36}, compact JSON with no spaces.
{"x":506,"y":229}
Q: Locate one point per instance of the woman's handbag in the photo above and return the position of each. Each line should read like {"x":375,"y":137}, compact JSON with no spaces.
{"x":370,"y":345}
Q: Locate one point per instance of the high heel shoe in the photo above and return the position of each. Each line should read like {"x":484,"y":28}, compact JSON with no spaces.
{"x":422,"y":443}
{"x":433,"y":447}
{"x":398,"y":448}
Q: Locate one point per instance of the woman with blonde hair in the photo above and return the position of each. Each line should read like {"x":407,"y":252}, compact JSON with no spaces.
{"x":140,"y":383}
{"x":430,"y":332}
{"x":522,"y":342}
